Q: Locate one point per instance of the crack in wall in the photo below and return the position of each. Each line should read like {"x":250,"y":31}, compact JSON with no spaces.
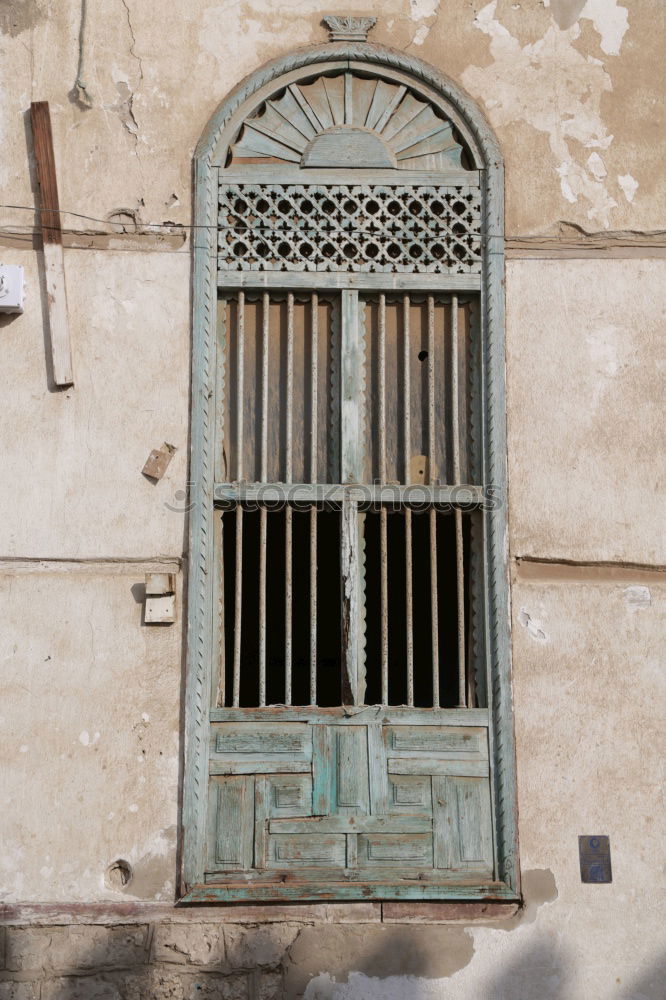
{"x":125,"y":106}
{"x":132,"y":47}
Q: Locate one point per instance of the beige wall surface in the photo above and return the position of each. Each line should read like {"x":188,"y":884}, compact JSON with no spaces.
{"x":572,"y":88}
{"x":586,"y":363}
{"x":90,"y":707}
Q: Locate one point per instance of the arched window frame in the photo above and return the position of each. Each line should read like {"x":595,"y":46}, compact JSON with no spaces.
{"x":209,"y":155}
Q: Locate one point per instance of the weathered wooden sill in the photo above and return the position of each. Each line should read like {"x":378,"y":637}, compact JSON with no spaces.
{"x":485,"y":893}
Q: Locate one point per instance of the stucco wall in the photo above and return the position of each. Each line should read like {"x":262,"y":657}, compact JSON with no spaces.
{"x":91,"y":699}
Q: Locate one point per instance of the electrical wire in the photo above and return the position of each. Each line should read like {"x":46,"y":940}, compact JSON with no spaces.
{"x":172,"y":228}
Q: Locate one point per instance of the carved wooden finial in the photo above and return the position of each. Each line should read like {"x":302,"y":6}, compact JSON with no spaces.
{"x":348,"y":29}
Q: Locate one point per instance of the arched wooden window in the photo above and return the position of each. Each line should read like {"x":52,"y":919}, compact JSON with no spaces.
{"x":349,"y":731}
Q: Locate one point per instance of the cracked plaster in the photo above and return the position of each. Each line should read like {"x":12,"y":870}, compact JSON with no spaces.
{"x":550,"y":91}
{"x":514,"y":88}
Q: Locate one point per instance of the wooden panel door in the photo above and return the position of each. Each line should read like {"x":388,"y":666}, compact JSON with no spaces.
{"x":373,"y":798}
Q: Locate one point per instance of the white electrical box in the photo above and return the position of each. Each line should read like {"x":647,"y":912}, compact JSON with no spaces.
{"x":11,"y":288}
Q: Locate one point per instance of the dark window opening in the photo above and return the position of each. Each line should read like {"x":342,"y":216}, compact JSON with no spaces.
{"x":328,"y":616}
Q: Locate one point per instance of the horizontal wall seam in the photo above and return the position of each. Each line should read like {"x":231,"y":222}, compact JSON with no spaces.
{"x":571,"y":570}
{"x":107,"y":564}
{"x":174,"y":239}
{"x":585,"y":253}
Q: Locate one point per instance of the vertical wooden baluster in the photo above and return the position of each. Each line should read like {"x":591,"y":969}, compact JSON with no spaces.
{"x":434,"y":609}
{"x":351,"y":362}
{"x":407,"y":438}
{"x":350,"y":600}
{"x":262,"y":512}
{"x":240,"y":401}
{"x":288,"y":511}
{"x":265,"y":307}
{"x":240,"y":385}
{"x":460,"y":580}
{"x":383,"y":532}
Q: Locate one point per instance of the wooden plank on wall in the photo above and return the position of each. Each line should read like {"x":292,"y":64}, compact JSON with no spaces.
{"x":54,"y":265}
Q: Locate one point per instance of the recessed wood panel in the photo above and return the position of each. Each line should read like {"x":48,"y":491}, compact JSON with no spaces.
{"x":463,"y":829}
{"x":406,"y":849}
{"x":409,"y":793}
{"x":231,"y":822}
{"x":436,"y":741}
{"x":290,"y":795}
{"x":306,"y":849}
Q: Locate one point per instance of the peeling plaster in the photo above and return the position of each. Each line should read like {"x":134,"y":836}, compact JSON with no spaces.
{"x":608,"y":351}
{"x":533,"y":626}
{"x":86,"y":741}
{"x":596,"y":166}
{"x":608,"y":17}
{"x":252,"y":34}
{"x":637,"y":598}
{"x":557,"y":90}
{"x":629,"y":185}
{"x":423,"y":11}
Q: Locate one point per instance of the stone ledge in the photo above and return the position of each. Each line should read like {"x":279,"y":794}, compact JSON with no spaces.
{"x":92,"y":914}
{"x":43,"y":915}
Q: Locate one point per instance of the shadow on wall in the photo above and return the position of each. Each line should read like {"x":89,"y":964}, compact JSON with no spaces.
{"x":542,"y":972}
{"x":538,"y":973}
{"x":280,"y":961}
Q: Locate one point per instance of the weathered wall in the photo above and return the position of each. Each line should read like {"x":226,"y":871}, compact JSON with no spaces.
{"x":91,"y":711}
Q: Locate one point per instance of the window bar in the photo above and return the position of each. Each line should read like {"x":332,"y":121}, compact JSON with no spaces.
{"x":383,"y":533}
{"x":262,"y":605}
{"x":238,"y":604}
{"x":350,"y":600}
{"x":265,"y":305}
{"x":288,"y":511}
{"x":407,"y":436}
{"x":314,"y":374}
{"x":434,"y":610}
{"x":238,"y":591}
{"x":462,"y":693}
{"x":351,"y":471}
{"x":240,"y":381}
{"x":220,"y":694}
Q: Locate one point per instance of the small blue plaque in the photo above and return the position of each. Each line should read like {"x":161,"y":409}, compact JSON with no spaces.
{"x":595,"y":861}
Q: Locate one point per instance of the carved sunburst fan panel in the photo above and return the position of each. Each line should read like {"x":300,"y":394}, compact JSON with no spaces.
{"x":346,"y":120}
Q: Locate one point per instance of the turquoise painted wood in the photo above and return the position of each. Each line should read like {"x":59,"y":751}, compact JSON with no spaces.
{"x":331,"y":891}
{"x":356,"y":802}
{"x":338,"y":806}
